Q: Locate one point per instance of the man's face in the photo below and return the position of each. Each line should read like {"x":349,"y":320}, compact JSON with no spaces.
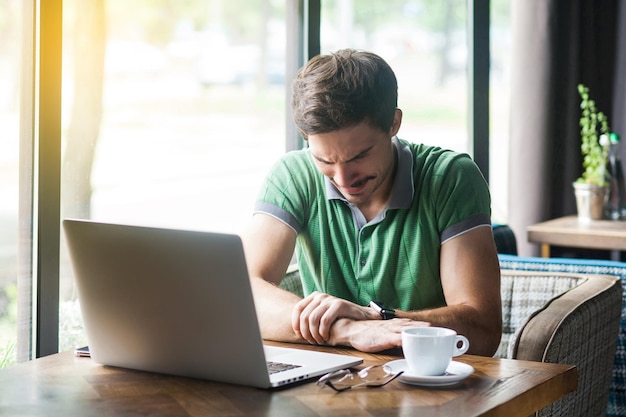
{"x":359,"y":161}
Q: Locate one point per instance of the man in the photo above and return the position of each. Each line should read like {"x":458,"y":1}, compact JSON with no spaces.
{"x":372,"y":218}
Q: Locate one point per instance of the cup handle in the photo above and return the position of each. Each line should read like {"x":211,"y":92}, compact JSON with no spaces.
{"x":459,"y":350}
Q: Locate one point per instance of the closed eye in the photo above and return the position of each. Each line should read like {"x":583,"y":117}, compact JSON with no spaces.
{"x":322,"y":161}
{"x":358,"y":157}
{"x":363,"y":154}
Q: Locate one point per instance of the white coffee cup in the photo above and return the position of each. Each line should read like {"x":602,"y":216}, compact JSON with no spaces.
{"x":429,"y":350}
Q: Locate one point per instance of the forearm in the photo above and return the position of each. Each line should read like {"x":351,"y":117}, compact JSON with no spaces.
{"x":274,"y":307}
{"x":483,"y":330}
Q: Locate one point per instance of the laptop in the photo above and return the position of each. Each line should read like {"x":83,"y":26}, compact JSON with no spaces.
{"x":178,"y":302}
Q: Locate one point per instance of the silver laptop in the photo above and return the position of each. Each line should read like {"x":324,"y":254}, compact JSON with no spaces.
{"x":178,"y":302}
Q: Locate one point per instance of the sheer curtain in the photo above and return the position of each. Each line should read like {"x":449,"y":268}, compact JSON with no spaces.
{"x":558,"y":44}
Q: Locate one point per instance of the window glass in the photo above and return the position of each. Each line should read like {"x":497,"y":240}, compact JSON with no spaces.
{"x":499,"y":107}
{"x":425,"y":42}
{"x":10,"y":58}
{"x":173,"y":112}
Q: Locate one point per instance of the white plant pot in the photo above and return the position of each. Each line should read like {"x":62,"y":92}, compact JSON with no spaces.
{"x":590,"y":201}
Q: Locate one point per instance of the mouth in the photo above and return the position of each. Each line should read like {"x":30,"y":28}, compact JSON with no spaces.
{"x":356,"y":187}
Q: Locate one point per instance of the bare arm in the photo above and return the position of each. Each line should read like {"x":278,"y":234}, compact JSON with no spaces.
{"x":470,"y":275}
{"x":269,"y":245}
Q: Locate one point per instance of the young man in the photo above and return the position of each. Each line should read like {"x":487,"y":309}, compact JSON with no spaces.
{"x":372,"y":218}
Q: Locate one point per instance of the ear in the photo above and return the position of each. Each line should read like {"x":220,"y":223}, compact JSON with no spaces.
{"x":395,"y":125}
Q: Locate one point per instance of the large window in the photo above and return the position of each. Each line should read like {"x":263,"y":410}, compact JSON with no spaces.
{"x":172,"y":112}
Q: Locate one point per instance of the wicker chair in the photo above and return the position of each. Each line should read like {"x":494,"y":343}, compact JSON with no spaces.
{"x":617,"y":392}
{"x":564,"y":318}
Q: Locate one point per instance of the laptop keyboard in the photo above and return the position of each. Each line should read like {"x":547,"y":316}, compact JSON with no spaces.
{"x":275,"y":367}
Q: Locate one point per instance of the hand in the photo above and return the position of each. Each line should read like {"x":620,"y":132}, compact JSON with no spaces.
{"x":371,"y":335}
{"x":313,"y":316}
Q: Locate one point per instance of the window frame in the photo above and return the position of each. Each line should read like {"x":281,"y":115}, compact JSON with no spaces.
{"x":47,"y":176}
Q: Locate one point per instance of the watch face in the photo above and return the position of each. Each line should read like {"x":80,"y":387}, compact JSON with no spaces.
{"x":376,"y":306}
{"x":385,"y":313}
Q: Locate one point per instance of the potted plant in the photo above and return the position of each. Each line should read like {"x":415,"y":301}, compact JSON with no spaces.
{"x":591,"y":188}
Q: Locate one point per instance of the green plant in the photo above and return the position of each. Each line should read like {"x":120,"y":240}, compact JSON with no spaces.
{"x":594,"y":132}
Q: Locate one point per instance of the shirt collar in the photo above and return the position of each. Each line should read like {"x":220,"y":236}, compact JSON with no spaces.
{"x":402,"y":189}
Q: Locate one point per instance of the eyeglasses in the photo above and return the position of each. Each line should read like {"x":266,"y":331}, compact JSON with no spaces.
{"x":344,"y":379}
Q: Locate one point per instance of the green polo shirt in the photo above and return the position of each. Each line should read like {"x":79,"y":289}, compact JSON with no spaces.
{"x":394,"y":258}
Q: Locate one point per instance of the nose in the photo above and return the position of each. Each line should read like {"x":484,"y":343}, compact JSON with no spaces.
{"x":343,"y":176}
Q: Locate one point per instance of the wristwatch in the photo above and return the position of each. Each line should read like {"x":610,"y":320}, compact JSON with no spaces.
{"x":385,"y":313}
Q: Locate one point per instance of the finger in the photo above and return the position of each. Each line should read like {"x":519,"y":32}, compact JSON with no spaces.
{"x":331,"y":314}
{"x":306,"y":326}
{"x":319,"y":316}
{"x":309,"y":323}
{"x":338,"y":308}
{"x":410,"y":323}
{"x":318,"y":323}
{"x":328,"y":312}
{"x":381,"y":335}
{"x":331,"y":310}
{"x":376,"y":340}
{"x":298,"y":310}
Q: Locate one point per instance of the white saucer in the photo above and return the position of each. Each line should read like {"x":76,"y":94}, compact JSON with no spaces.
{"x":456,"y":371}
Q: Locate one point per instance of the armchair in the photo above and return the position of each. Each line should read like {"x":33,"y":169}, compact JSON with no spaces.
{"x":507,"y":253}
{"x":617,"y":391}
{"x":564,"y":318}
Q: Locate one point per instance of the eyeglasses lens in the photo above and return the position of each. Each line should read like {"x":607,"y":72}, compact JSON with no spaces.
{"x":372,"y":376}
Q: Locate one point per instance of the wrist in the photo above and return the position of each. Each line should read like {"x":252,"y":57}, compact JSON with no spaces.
{"x":383,"y":311}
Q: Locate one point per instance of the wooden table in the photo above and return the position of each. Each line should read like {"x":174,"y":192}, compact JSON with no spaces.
{"x":68,"y":386}
{"x":570,"y":232}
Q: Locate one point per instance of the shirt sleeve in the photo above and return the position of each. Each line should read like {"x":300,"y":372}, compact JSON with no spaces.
{"x":463,"y":198}
{"x":288,"y":190}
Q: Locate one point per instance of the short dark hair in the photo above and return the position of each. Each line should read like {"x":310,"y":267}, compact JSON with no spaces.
{"x":342,"y":89}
